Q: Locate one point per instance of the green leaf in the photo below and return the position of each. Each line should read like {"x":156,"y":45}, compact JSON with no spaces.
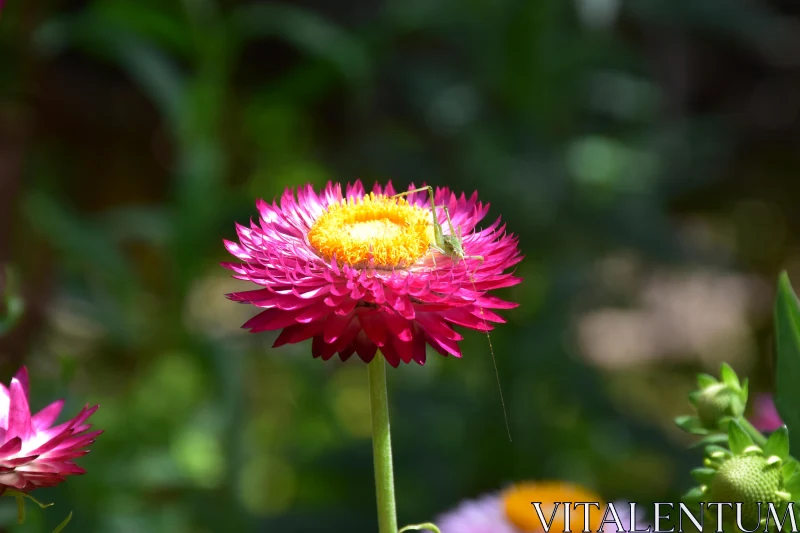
{"x":427,"y":526}
{"x":63,"y":524}
{"x":713,"y":449}
{"x":690,"y":424}
{"x":729,"y":376}
{"x":738,"y":439}
{"x":695,"y":495}
{"x":787,"y":374}
{"x":792,"y":485}
{"x":717,"y":438}
{"x":778,"y":443}
{"x":706,"y":380}
{"x":789,"y":467}
{"x":703,"y":475}
{"x":686,"y":422}
{"x":737,"y":405}
{"x":694,"y":396}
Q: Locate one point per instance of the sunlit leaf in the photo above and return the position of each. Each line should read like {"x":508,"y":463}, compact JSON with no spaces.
{"x":728,"y":375}
{"x":787,"y":375}
{"x":778,"y":443}
{"x":703,"y":475}
{"x":706,"y":380}
{"x":738,"y":439}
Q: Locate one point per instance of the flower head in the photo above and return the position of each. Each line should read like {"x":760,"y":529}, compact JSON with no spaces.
{"x":511,"y":511}
{"x":356,"y":272}
{"x":33,"y":452}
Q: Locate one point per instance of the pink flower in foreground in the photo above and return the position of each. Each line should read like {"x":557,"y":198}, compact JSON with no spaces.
{"x":33,"y":453}
{"x":765,"y":415}
{"x":355,"y":272}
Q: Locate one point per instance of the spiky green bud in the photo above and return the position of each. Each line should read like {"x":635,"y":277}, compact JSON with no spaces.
{"x":750,"y":480}
{"x":747,"y":474}
{"x":716,"y":402}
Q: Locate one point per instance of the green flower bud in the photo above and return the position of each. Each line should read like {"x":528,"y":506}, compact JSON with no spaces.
{"x":749,"y":480}
{"x":717,"y":402}
{"x":748,"y":474}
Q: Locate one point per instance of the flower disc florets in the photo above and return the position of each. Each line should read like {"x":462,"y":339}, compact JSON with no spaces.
{"x":749,"y":480}
{"x":372,"y":230}
{"x":356,"y":272}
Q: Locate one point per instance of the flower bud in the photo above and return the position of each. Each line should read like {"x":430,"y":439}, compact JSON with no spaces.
{"x":749,"y":480}
{"x":719,"y":401}
{"x":716,"y":402}
{"x":748,"y":474}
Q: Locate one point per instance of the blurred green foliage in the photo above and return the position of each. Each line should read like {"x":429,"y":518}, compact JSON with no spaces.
{"x":620,"y":139}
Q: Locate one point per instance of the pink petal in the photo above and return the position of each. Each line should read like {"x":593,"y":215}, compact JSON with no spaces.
{"x":45,"y":418}
{"x":22,"y":377}
{"x":19,"y":413}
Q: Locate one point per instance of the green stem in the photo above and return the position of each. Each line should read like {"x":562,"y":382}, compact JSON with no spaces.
{"x":382,"y":445}
{"x":755,"y":434}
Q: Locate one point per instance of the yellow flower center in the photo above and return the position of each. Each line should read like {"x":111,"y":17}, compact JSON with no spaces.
{"x":518,"y":502}
{"x":388,"y":230}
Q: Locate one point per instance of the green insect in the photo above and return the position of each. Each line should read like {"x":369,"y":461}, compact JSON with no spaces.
{"x":452,"y":246}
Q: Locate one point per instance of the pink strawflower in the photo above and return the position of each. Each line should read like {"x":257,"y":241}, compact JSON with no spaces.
{"x":355,"y":271}
{"x":765,"y":415}
{"x":33,"y":453}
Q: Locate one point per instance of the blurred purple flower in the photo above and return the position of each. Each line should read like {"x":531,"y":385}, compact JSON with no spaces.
{"x":623,"y":509}
{"x":765,"y":416}
{"x":483,"y":515}
{"x":487,"y":514}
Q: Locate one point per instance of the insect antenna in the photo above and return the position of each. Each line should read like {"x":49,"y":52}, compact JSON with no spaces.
{"x":494,"y":360}
{"x":463,"y":258}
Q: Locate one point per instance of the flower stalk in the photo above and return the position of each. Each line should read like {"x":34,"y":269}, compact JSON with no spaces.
{"x":382,"y":446}
{"x":752,"y":432}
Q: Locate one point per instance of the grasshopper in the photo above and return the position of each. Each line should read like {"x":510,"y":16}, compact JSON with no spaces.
{"x":452,"y":246}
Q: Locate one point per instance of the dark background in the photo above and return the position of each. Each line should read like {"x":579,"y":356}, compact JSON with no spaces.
{"x":645,"y":151}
